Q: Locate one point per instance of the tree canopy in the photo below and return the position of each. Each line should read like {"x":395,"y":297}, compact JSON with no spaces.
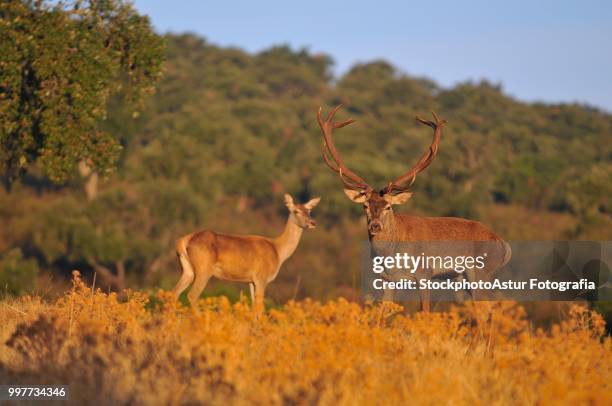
{"x":228,"y":132}
{"x":60,"y":64}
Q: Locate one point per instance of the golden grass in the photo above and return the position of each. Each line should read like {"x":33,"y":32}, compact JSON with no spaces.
{"x":120,"y":352}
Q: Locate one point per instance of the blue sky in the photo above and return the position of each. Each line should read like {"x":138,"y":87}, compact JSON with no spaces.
{"x":553,"y":51}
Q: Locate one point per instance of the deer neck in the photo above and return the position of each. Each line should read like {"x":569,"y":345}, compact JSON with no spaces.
{"x":287,"y":242}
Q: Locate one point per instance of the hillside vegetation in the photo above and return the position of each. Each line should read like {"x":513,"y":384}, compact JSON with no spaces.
{"x":228,"y":132}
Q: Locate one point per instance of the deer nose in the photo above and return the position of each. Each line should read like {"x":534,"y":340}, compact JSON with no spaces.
{"x":312,"y":223}
{"x":375,"y":227}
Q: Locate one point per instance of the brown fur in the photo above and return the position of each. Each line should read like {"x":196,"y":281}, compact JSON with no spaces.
{"x":386,"y":226}
{"x":240,"y":258}
{"x":383,"y":224}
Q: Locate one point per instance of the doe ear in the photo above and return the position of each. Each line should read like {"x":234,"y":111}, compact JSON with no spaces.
{"x":288,"y":201}
{"x":399,"y":198}
{"x":357,"y":196}
{"x":312,"y":203}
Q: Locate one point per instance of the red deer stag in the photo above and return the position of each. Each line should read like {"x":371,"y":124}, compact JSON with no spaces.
{"x":240,"y":258}
{"x":384,"y":225}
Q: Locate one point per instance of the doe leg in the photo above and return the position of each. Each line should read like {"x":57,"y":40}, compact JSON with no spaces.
{"x":199,"y":284}
{"x":186,"y":276}
{"x":258,"y":304}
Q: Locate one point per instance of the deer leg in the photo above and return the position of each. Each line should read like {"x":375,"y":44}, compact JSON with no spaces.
{"x":252,"y":289}
{"x":186,"y":276}
{"x":470,"y":292}
{"x":199,"y":284}
{"x":387,"y":295}
{"x":425,"y":296}
{"x":258,"y":303}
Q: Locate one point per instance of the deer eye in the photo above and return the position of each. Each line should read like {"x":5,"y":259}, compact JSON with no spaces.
{"x":388,"y":208}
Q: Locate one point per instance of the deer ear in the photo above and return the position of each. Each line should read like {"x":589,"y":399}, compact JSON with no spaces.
{"x":357,"y":196}
{"x":312,"y":203}
{"x":399,"y":198}
{"x":288,"y":201}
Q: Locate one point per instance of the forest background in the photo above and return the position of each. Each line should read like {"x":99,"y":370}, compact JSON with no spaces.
{"x":116,"y":141}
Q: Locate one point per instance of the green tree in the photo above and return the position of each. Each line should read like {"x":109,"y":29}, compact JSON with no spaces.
{"x":17,"y":274}
{"x":61,"y":61}
{"x":588,"y":197}
{"x":228,"y":132}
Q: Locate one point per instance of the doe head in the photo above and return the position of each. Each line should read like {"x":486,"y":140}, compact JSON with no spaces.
{"x":300,"y":213}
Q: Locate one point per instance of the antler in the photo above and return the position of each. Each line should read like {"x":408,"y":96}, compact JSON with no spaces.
{"x":349,"y":178}
{"x":424,"y":161}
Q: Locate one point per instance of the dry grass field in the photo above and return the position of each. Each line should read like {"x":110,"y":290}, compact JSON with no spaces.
{"x":133,"y":351}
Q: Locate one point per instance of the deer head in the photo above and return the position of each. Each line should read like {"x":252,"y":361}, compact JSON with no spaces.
{"x":299,"y":214}
{"x":377,"y":204}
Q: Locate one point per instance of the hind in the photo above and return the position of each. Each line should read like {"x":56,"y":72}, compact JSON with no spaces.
{"x":507,"y":254}
{"x":186,"y":267}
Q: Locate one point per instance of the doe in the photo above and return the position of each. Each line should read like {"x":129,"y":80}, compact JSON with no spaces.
{"x":240,"y":258}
